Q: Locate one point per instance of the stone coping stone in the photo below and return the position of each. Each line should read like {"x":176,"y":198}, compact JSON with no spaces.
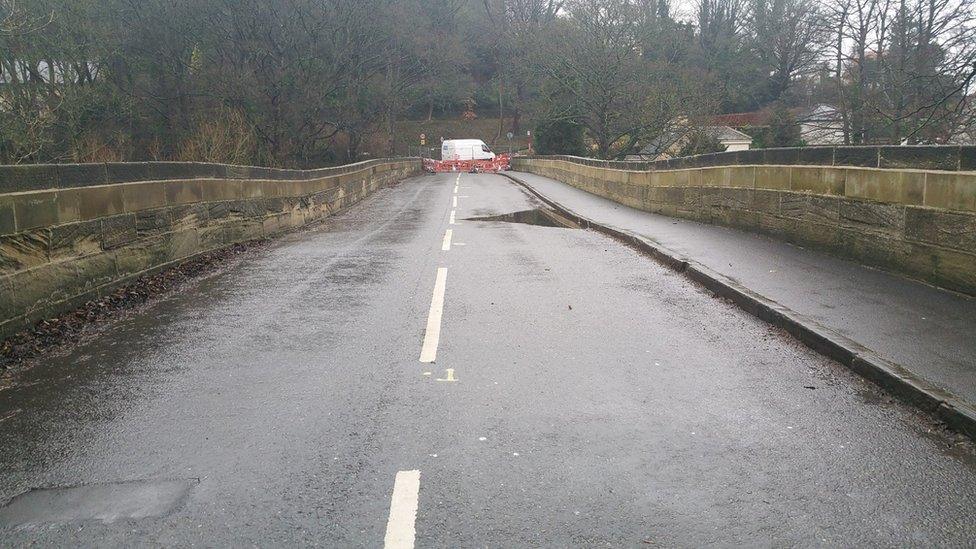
{"x":35,"y":177}
{"x":917,"y":157}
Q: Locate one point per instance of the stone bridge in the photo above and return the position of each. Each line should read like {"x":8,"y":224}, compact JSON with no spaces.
{"x":769,"y":347}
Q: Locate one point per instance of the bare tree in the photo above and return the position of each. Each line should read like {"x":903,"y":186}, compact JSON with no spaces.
{"x":618,"y":96}
{"x":788,"y":37}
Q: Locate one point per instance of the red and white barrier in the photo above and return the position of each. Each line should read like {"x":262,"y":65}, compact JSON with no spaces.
{"x":499,"y":164}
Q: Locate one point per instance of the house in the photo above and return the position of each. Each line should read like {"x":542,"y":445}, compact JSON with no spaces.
{"x":669,"y":144}
{"x":821,"y":125}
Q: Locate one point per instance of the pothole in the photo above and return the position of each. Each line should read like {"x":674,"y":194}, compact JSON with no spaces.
{"x":100,"y":502}
{"x":542,"y":217}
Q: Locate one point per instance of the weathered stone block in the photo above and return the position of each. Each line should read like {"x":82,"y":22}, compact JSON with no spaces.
{"x":220,"y":189}
{"x":967,"y":158}
{"x":28,"y":178}
{"x":656,"y":195}
{"x":823,"y":209}
{"x":163,"y":171}
{"x":716,"y":177}
{"x":750,"y":157}
{"x":143,"y":196}
{"x":183,"y":192}
{"x":711,"y":159}
{"x":943,"y":267}
{"x":857,"y":156}
{"x":940,"y":228}
{"x":260,"y":173}
{"x":183,"y":244}
{"x":142,"y":256}
{"x":273,"y":206}
{"x":237,"y":172}
{"x":216,"y":236}
{"x":125,"y":172}
{"x":245,"y":208}
{"x":778,"y":226}
{"x":118,"y":231}
{"x":793,"y":204}
{"x":742,"y":176}
{"x":773,"y":177}
{"x":36,"y":209}
{"x":886,"y":186}
{"x":920,"y":157}
{"x":816,"y":156}
{"x":731,"y":198}
{"x":826,"y":181}
{"x":872,"y":215}
{"x":81,"y":175}
{"x":93,"y":271}
{"x":912,"y":188}
{"x":26,"y":291}
{"x":820,"y":235}
{"x":218,"y":210}
{"x":881,"y":250}
{"x":641,"y":178}
{"x":781,"y":157}
{"x":678,"y":178}
{"x":952,"y":191}
{"x":732,"y":217}
{"x":189,"y":216}
{"x":75,"y":239}
{"x":765,"y":201}
{"x":69,"y":205}
{"x":23,"y":250}
{"x":7,"y":222}
{"x":251,"y":189}
{"x":96,"y":202}
{"x":153,"y":222}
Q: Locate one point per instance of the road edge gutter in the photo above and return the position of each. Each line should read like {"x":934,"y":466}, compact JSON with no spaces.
{"x":893,"y":378}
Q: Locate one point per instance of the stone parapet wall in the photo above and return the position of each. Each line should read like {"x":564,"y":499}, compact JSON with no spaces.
{"x":65,"y":239}
{"x":918,"y":222}
{"x":930,"y":157}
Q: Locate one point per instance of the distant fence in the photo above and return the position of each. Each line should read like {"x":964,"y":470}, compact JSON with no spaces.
{"x":70,"y":233}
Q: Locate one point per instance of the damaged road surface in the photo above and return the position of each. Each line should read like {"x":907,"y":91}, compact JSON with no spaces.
{"x":446,"y":364}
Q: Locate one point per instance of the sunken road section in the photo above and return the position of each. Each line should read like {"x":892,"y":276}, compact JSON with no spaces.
{"x":70,"y":233}
{"x":910,"y":210}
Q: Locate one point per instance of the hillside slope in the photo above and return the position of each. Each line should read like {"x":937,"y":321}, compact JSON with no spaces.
{"x":486,"y":129}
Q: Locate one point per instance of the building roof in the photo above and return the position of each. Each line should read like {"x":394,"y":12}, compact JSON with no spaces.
{"x":665,"y":141}
{"x":741,"y":119}
{"x":725,"y":134}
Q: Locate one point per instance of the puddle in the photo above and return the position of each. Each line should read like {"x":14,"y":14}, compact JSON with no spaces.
{"x":540,"y":216}
{"x":101,"y":502}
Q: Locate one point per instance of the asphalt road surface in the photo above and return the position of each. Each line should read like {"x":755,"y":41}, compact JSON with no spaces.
{"x":393,"y":378}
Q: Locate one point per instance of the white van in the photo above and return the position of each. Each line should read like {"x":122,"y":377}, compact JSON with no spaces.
{"x":466,"y":149}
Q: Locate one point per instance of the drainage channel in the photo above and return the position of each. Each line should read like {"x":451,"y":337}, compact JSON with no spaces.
{"x":542,"y":217}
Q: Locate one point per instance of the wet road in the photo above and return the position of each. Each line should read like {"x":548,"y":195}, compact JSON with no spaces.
{"x":579,"y":395}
